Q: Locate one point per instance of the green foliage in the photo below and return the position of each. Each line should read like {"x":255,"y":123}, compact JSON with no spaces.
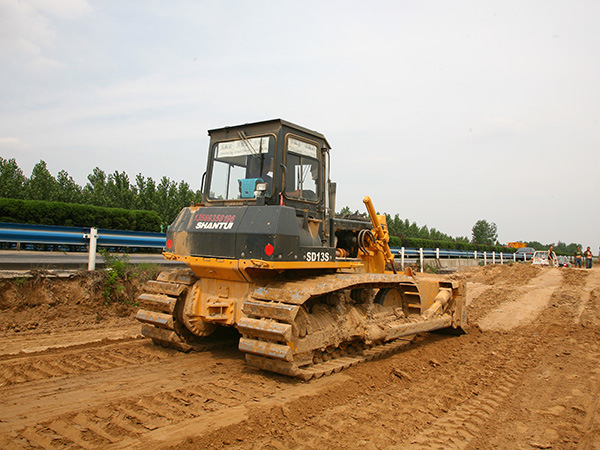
{"x":68,"y":191}
{"x":118,"y":274}
{"x":118,"y":270}
{"x":403,"y":233}
{"x":560,"y":248}
{"x":431,"y":269}
{"x":67,"y":214}
{"x":484,"y":232}
{"x":109,"y":191}
{"x":12,"y":180}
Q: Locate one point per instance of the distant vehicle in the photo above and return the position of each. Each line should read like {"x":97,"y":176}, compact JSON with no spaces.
{"x":527,"y":252}
{"x":563,"y":261}
{"x":540,"y":258}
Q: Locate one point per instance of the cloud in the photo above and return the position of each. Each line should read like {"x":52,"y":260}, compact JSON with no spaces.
{"x":25,"y":34}
{"x":28,"y":32}
{"x":64,"y":9}
{"x":12,"y":143}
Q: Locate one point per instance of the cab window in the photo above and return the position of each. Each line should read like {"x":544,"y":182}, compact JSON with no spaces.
{"x":239,"y":164}
{"x":302,"y":170}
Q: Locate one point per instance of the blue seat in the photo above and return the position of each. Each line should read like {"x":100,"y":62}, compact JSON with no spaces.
{"x":248,"y":186}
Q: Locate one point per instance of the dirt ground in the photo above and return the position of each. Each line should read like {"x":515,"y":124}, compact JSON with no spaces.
{"x":74,"y":373}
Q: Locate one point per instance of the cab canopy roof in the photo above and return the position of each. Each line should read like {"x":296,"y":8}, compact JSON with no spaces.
{"x":275,"y":126}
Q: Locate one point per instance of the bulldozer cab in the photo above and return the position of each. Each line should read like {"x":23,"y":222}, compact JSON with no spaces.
{"x":267,"y":163}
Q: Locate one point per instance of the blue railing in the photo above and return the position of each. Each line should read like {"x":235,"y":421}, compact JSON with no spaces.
{"x":440,"y":253}
{"x":92,"y":237}
{"x":48,"y":234}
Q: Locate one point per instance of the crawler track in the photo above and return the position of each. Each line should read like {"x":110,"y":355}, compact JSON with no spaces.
{"x":306,"y":327}
{"x":323,"y":324}
{"x":162,"y":313}
{"x":337,"y":363}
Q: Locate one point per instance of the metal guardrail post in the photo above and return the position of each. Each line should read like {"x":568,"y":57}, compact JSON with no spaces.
{"x":402,"y":257}
{"x":515,"y":257}
{"x":93,"y":236}
{"x":493,"y":257}
{"x":437,"y":253}
{"x":475,"y":255}
{"x":501,"y":258}
{"x":485,"y":258}
{"x":421,"y":257}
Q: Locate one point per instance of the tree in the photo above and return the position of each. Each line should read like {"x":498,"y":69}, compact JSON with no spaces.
{"x":95,"y":191}
{"x":12,"y":180}
{"x":146,"y":193}
{"x":68,"y":191}
{"x":119,"y":193}
{"x":413,"y":230}
{"x":484,"y":232}
{"x":166,"y":200}
{"x":42,"y":185}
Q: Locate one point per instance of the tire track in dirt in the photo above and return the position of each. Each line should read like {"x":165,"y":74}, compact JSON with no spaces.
{"x":438,"y":383}
{"x":555,"y":393}
{"x":448,"y":409}
{"x":588,"y":316}
{"x":481,"y":390}
{"x":23,"y":369}
{"x":457,"y":428}
{"x":519,"y":305}
{"x":148,"y":398}
{"x":129,"y":422}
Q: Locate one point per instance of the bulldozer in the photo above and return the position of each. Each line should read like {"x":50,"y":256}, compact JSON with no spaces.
{"x":309,"y":293}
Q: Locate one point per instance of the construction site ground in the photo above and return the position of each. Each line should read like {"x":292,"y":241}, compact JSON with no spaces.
{"x":75,"y":373}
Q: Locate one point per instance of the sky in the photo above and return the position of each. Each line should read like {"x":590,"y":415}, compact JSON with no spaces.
{"x":444,"y":112}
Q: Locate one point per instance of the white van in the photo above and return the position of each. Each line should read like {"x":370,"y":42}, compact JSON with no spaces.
{"x":540,"y":258}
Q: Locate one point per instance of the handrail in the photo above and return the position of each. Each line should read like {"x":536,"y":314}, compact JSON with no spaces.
{"x":49,"y":234}
{"x":437,"y":253}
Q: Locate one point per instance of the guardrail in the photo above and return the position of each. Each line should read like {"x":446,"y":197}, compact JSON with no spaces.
{"x":91,"y":237}
{"x":437,"y":253}
{"x":94,"y":237}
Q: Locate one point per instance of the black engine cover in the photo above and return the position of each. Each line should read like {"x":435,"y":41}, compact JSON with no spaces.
{"x":270,"y":233}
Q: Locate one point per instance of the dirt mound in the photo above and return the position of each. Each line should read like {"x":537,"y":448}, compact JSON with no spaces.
{"x":44,"y":303}
{"x":589,"y":314}
{"x":576,"y":278}
{"x":513,"y":274}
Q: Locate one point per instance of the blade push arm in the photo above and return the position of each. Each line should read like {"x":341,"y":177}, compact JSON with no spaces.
{"x":381,"y":232}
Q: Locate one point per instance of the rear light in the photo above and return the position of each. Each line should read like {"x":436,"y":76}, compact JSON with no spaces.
{"x":269,"y":249}
{"x":169,"y":244}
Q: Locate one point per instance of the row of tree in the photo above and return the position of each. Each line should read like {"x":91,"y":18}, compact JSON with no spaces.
{"x":405,"y":229}
{"x":560,"y":248}
{"x":168,"y":197}
{"x":483,"y":234}
{"x":114,"y":190}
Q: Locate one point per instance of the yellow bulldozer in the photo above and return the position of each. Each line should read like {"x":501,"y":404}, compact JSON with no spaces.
{"x":309,"y":293}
